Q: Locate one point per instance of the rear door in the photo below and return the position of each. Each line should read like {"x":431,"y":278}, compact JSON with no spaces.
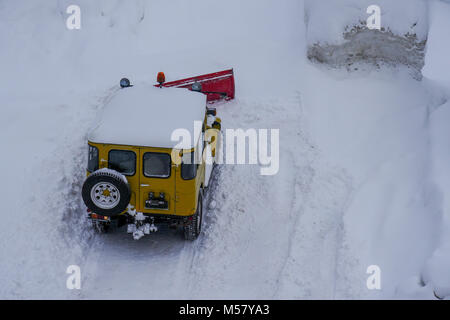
{"x":124,"y":159}
{"x":157,"y":181}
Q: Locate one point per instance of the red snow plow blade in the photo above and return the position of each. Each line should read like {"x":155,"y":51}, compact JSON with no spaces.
{"x":216,"y":86}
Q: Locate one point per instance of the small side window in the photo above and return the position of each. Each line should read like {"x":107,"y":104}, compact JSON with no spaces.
{"x":92,"y":159}
{"x":122,"y":161}
{"x":157,"y":165}
{"x":188,"y":166}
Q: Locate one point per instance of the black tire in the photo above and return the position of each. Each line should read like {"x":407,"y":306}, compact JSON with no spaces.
{"x":111,"y":179}
{"x":193,"y":228}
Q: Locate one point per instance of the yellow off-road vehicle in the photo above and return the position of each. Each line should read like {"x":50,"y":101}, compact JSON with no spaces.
{"x":140,"y":172}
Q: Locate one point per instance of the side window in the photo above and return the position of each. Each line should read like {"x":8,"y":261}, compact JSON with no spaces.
{"x":188,"y":166}
{"x":157,"y":165}
{"x":92,"y":159}
{"x":122,"y":161}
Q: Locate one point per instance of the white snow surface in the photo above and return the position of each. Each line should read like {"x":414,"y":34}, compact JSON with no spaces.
{"x":143,"y":115}
{"x":363,"y":176}
{"x":328,"y":19}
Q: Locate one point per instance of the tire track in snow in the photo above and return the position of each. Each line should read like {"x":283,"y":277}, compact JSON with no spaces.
{"x":310,"y":270}
{"x":319,"y":198}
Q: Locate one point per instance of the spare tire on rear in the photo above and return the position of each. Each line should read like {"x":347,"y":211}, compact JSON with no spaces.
{"x":106,"y":192}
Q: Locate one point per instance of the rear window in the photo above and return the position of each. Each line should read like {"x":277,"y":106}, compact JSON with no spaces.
{"x":157,"y":165}
{"x":122,"y":161}
{"x":92,"y":159}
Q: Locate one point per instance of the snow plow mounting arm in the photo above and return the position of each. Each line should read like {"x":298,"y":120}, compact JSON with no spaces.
{"x":216,"y":86}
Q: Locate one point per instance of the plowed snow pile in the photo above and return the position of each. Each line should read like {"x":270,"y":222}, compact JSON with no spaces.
{"x":338,"y":34}
{"x":362,"y":177}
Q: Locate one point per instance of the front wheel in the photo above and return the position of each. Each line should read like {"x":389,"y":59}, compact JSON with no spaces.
{"x":193,"y":228}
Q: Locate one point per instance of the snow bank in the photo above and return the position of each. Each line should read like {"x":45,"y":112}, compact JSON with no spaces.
{"x":327,"y":20}
{"x":436,"y":274}
{"x":437,"y":61}
{"x":391,"y":136}
{"x":375,"y":128}
{"x":338,"y":36}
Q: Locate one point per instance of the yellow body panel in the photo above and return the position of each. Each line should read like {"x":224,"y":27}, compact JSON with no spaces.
{"x":182,"y":195}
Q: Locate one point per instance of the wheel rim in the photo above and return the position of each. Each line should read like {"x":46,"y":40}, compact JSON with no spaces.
{"x":105,"y":195}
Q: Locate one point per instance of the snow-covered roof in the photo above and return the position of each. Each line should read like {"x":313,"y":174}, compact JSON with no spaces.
{"x":147,"y":116}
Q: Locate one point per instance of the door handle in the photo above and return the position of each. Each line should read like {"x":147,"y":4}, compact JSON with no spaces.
{"x":145,"y":185}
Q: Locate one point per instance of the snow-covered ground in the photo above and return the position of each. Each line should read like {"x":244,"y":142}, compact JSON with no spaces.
{"x":363,"y":155}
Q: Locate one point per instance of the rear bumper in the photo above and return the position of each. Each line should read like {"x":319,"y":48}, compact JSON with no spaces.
{"x":126,"y":218}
